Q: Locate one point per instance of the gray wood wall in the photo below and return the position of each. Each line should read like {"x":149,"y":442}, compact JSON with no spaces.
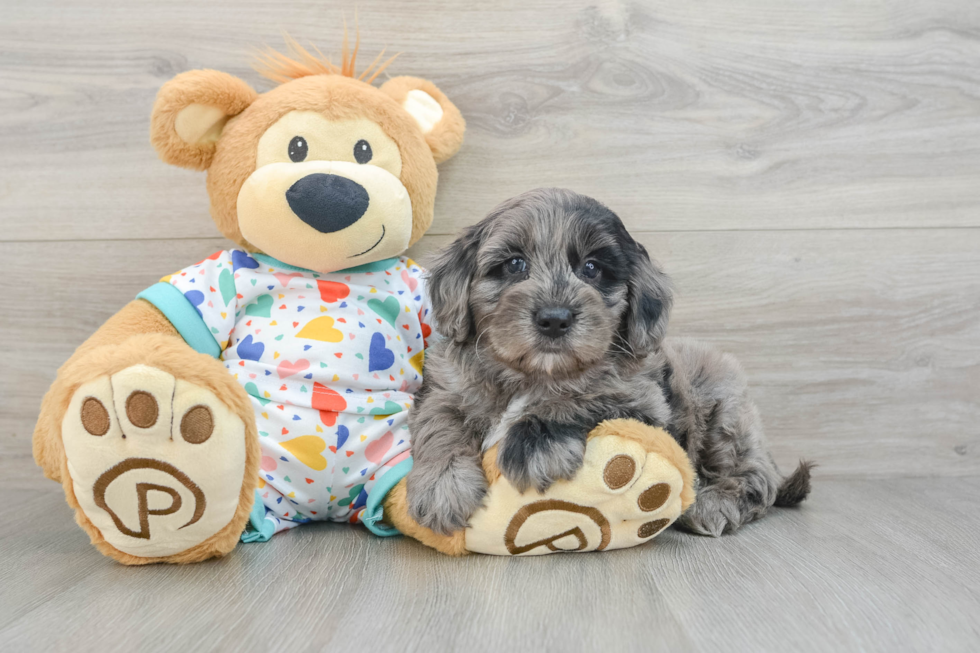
{"x":809,"y":173}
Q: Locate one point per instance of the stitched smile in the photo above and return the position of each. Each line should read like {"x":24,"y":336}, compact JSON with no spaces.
{"x":372,"y":246}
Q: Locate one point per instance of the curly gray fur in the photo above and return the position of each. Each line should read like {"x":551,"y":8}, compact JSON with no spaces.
{"x":497,"y":378}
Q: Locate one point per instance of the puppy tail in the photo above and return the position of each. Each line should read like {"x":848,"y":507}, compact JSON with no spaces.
{"x":794,"y":488}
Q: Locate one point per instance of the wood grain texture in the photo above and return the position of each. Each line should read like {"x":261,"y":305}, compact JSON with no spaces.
{"x":777,"y":115}
{"x":865,"y":565}
{"x":862,"y":346}
{"x":807,"y":173}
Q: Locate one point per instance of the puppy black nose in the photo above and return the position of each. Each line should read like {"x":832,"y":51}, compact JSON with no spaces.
{"x":328,"y":203}
{"x":554,"y":322}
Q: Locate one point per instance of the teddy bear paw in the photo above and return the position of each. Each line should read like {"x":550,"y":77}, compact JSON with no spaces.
{"x":623,"y":495}
{"x":156,"y":463}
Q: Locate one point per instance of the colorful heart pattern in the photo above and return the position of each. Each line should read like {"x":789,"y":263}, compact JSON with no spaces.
{"x":387,"y":309}
{"x":240,"y":259}
{"x":262,"y":307}
{"x":321,"y":329}
{"x":328,"y":402}
{"x":308,"y":450}
{"x":330,"y":363}
{"x":332,"y":291}
{"x":287,"y":369}
{"x":250,"y":350}
{"x":379,"y":356}
{"x":376,"y":449}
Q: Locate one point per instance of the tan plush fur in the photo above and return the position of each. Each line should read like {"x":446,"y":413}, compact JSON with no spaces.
{"x":396,"y":514}
{"x":209,"y":120}
{"x":136,"y":318}
{"x":311,"y":84}
{"x":651,"y":439}
{"x":336,"y":97}
{"x":446,"y":137}
{"x":169,"y":354}
{"x":657,"y":441}
{"x":220,"y":133}
{"x":210,"y":88}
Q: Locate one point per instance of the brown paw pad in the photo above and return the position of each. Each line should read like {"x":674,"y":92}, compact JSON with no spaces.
{"x":197,"y":424}
{"x":619,"y":471}
{"x":651,"y":528}
{"x":653,"y":497}
{"x":142,"y":409}
{"x":95,"y":417}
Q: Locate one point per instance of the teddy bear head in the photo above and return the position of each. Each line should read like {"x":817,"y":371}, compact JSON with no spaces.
{"x":323,"y":172}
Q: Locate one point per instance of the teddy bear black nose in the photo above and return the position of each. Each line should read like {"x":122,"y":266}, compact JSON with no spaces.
{"x":328,"y":203}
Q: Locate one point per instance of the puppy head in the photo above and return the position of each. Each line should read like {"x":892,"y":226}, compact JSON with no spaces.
{"x":550,"y":283}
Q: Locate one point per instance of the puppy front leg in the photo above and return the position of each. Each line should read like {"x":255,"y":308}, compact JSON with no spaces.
{"x":447,"y":483}
{"x":537,"y":452}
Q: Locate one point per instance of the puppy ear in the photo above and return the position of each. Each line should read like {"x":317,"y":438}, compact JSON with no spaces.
{"x":440,"y":121}
{"x":189,"y":113}
{"x":649,"y":298}
{"x":449,"y":285}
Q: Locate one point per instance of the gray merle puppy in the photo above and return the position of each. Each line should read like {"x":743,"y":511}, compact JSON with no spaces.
{"x":554,"y":320}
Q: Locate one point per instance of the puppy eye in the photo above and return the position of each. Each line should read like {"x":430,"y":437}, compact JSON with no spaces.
{"x":298,"y":149}
{"x":591,"y":270}
{"x":516,"y":265}
{"x":362,"y":151}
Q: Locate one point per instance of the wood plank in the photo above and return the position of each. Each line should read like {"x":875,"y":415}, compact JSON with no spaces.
{"x":862,"y":347}
{"x":771,"y":115}
{"x":893,"y":569}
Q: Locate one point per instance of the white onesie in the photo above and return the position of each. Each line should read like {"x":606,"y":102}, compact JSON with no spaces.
{"x":331,"y":363}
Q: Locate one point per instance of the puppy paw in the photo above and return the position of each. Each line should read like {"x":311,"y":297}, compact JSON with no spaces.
{"x":628,"y":490}
{"x":714,"y":514}
{"x":536,"y":453}
{"x":444,"y":500}
{"x":157,"y":463}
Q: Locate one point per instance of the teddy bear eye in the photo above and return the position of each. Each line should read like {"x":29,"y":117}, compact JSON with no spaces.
{"x":362,"y":151}
{"x":298,"y":149}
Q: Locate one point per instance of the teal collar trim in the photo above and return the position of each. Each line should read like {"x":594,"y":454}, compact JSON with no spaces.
{"x":276,"y":263}
{"x":374,"y":266}
{"x":374,"y":511}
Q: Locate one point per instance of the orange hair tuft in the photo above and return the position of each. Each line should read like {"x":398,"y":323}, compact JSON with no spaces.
{"x":300,"y":62}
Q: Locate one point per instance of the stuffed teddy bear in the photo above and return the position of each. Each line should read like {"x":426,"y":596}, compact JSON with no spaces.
{"x":269,"y":385}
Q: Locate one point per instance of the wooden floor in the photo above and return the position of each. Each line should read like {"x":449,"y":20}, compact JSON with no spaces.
{"x":883,"y":565}
{"x":809,"y":174}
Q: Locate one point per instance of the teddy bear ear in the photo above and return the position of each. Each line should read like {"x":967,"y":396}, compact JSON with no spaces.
{"x":189,"y":113}
{"x":440,"y":121}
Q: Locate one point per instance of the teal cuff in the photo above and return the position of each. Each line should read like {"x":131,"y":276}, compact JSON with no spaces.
{"x":182,"y":314}
{"x":374,"y":512}
{"x":258,"y":528}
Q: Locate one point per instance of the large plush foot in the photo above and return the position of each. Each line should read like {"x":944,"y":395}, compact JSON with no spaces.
{"x":157,"y":466}
{"x":634,"y":483}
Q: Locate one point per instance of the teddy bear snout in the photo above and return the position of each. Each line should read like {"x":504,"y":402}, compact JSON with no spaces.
{"x":327,"y":202}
